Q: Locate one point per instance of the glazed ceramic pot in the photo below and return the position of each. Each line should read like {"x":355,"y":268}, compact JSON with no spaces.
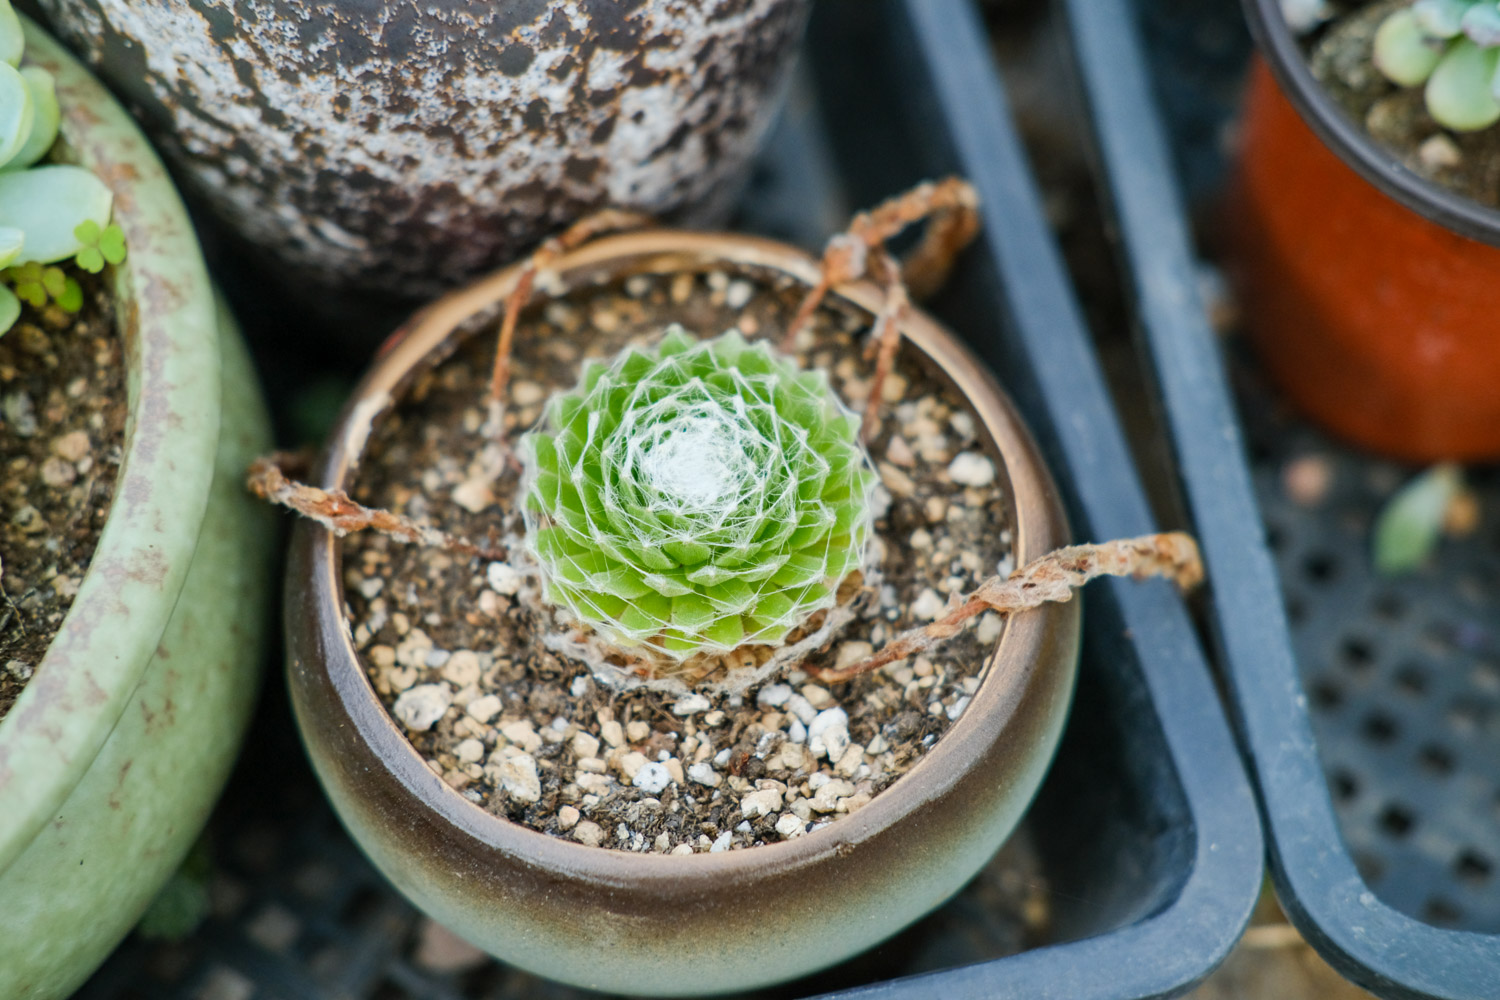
{"x":1367,"y":290}
{"x":409,"y":146}
{"x":115,"y":752}
{"x":660,"y":925}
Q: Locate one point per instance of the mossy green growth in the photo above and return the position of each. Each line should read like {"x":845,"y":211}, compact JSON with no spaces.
{"x":1451,"y":46}
{"x":696,"y":497}
{"x":48,"y":212}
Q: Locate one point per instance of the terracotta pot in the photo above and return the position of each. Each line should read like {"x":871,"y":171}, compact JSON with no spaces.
{"x":1377,"y":322}
{"x":670,"y":925}
{"x":407,"y":146}
{"x":113,"y":755}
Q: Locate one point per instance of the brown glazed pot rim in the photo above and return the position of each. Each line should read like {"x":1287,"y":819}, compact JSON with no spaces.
{"x":1038,"y":527}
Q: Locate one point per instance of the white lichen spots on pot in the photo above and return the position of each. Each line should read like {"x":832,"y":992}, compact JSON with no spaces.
{"x":421,"y":706}
{"x":292,"y":127}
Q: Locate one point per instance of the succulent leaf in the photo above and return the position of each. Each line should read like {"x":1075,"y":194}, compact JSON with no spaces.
{"x":1441,"y":18}
{"x":48,"y":203}
{"x":12,"y":41}
{"x":46,"y":118}
{"x":1404,"y":53}
{"x":1458,"y":93}
{"x":1411,"y":523}
{"x":17,"y":111}
{"x":710,"y":492}
{"x":10,"y":309}
{"x":1481,"y":24}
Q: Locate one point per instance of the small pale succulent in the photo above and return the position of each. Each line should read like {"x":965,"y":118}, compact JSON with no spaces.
{"x":696,"y":497}
{"x":48,"y":212}
{"x":1451,"y":46}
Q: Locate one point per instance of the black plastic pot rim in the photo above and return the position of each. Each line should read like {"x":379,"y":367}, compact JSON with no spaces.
{"x":1351,"y":143}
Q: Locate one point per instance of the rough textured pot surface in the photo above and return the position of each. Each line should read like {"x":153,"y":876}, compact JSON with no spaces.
{"x":1378,"y":323}
{"x":406,"y":145}
{"x":114,"y":753}
{"x":669,"y":925}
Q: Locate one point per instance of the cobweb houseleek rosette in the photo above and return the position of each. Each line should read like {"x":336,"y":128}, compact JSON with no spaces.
{"x":697,"y":497}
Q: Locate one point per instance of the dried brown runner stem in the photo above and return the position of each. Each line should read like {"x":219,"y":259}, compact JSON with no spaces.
{"x":1052,"y":578}
{"x":335,"y":511}
{"x":590,"y":227}
{"x":885,"y":339}
{"x":952,"y":206}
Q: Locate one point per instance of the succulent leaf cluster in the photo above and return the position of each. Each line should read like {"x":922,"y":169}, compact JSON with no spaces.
{"x":696,"y":497}
{"x":1451,"y":46}
{"x":48,"y":212}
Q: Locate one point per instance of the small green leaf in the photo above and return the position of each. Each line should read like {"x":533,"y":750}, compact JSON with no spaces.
{"x":1440,"y":18}
{"x":90,"y":259}
{"x":17,"y":111}
{"x":54,"y":281}
{"x":1404,"y":53}
{"x":11,"y":242}
{"x":1481,"y":23}
{"x":112,"y":243}
{"x":1458,"y":92}
{"x":47,"y":203}
{"x":10,"y":309}
{"x":45,"y":120}
{"x":87,"y":232}
{"x":12,"y":40}
{"x":71,"y":299}
{"x":1409,"y":527}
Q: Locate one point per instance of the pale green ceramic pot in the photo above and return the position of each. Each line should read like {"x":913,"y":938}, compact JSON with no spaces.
{"x":662,"y":925}
{"x":114,"y":754}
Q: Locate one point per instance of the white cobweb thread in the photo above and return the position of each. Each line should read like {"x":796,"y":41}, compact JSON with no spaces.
{"x":696,"y":499}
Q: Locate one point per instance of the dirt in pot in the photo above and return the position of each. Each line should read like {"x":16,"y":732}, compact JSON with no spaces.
{"x":456,"y":648}
{"x":1339,"y":55}
{"x":62,"y":432}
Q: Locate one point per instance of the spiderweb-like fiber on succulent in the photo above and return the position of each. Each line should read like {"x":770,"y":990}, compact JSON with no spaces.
{"x":697,"y":498}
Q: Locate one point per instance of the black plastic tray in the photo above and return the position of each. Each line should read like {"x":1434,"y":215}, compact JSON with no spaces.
{"x":1145,"y":849}
{"x":1384,"y":685}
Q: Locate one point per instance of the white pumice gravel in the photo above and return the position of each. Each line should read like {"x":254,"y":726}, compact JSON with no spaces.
{"x":928,"y":605}
{"x":518,"y":776}
{"x":971,"y":469}
{"x":704,"y":774}
{"x":503,"y":578}
{"x":652,"y":778}
{"x":692,"y":704}
{"x":419,"y":707}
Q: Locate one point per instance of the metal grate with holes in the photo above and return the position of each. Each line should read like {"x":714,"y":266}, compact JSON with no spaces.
{"x":1402,"y":675}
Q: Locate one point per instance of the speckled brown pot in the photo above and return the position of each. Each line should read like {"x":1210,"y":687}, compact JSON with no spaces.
{"x":401,"y":145}
{"x":668,"y":925}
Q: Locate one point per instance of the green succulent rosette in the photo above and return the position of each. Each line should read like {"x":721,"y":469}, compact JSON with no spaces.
{"x":696,"y":498}
{"x":1453,"y":48}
